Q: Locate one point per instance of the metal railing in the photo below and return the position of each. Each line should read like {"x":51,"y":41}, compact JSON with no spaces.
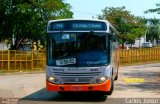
{"x":16,"y":60}
{"x":142,"y":55}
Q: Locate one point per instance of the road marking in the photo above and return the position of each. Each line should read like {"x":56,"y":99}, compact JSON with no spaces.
{"x":133,"y":80}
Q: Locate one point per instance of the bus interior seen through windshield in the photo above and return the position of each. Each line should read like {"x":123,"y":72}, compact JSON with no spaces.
{"x":85,"y":48}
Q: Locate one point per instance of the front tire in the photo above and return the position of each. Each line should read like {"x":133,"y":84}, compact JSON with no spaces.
{"x":112,"y":87}
{"x":62,"y":93}
{"x":116,"y":78}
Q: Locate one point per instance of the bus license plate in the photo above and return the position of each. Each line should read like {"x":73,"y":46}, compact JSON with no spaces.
{"x":76,"y":88}
{"x":66,"y":61}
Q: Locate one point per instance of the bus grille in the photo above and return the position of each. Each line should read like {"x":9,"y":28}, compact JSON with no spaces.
{"x":83,"y":78}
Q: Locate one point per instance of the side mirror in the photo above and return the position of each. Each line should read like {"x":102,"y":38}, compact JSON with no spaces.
{"x":114,"y":37}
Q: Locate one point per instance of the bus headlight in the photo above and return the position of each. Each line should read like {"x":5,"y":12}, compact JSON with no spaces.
{"x":99,"y":80}
{"x":102,"y":79}
{"x":55,"y":80}
{"x":51,"y":78}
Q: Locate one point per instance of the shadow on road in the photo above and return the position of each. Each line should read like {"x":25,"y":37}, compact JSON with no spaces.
{"x":42,"y":95}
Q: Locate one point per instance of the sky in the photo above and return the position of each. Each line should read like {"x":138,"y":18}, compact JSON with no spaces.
{"x":89,"y":8}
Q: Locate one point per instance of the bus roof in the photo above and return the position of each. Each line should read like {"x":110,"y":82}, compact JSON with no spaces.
{"x":71,"y":19}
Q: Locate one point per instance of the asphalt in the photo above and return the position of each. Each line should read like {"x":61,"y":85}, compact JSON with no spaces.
{"x":136,"y":84}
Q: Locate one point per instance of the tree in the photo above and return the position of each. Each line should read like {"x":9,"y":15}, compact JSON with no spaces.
{"x":153,"y":32}
{"x":157,"y":10}
{"x":153,"y":28}
{"x":129,"y":26}
{"x":28,"y":18}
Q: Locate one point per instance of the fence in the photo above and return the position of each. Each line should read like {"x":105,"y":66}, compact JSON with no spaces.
{"x":35,"y":60}
{"x":17,"y":60}
{"x":142,"y":55}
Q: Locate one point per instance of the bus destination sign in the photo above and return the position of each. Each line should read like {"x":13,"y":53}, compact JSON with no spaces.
{"x":77,"y":26}
{"x":87,"y":26}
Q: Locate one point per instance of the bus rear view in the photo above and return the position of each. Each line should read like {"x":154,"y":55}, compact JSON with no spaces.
{"x":82,"y":55}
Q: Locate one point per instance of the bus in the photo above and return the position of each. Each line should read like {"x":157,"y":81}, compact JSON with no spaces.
{"x":81,"y":55}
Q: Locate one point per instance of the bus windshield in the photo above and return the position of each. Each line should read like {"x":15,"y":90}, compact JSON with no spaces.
{"x":77,"y":49}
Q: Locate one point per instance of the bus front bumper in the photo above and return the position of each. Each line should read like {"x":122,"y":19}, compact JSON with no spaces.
{"x":105,"y":86}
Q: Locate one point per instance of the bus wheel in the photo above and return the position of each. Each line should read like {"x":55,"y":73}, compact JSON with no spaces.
{"x":62,"y":93}
{"x":112,"y":87}
{"x":116,"y":78}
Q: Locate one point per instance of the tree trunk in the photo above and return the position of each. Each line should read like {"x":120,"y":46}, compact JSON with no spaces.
{"x":122,"y":45}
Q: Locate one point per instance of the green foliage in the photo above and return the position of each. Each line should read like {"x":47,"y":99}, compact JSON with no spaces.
{"x":128,"y":25}
{"x":154,"y":24}
{"x":157,"y":10}
{"x":28,"y":18}
{"x":153,"y":31}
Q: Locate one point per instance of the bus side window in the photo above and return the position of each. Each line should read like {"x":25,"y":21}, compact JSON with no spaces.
{"x":107,"y":41}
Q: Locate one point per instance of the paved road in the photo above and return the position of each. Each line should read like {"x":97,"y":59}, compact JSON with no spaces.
{"x":134,"y":84}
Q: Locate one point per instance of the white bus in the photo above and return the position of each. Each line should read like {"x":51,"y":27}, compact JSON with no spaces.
{"x":82,"y":55}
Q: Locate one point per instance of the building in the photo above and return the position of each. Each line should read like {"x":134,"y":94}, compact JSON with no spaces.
{"x":3,"y":46}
